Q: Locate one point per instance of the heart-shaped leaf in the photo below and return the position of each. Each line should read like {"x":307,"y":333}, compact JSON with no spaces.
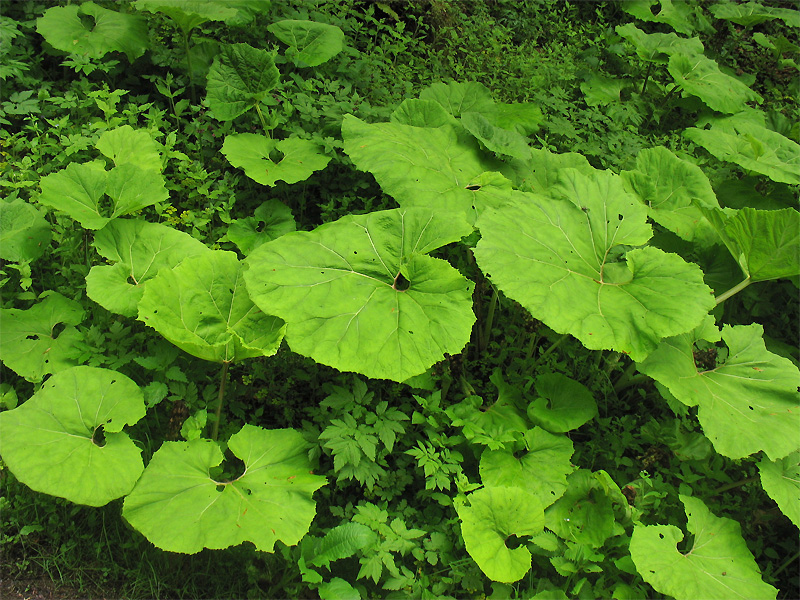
{"x":310,"y":44}
{"x":128,"y":145}
{"x":67,"y":440}
{"x":563,"y":404}
{"x":269,"y":221}
{"x":460,"y":97}
{"x":718,"y":566}
{"x":584,"y":513}
{"x":24,"y":232}
{"x":239,"y":79}
{"x":781,"y":480}
{"x":139,"y":250}
{"x":179,"y":507}
{"x":657,"y":47}
{"x":297,"y":159}
{"x":677,"y":14}
{"x":189,"y":14}
{"x":202,"y":307}
{"x":360,"y":294}
{"x":701,"y":77}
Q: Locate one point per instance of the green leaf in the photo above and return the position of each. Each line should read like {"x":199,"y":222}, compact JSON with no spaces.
{"x":601,"y":90}
{"x":496,"y":139}
{"x":202,"y":307}
{"x":541,"y":471}
{"x":765,"y":243}
{"x":360,"y":294}
{"x":492,"y":515}
{"x":701,"y":77}
{"x":753,"y":13}
{"x":748,"y":403}
{"x":239,"y":79}
{"x":342,"y":542}
{"x":24,"y":232}
{"x":179,"y":507}
{"x":781,"y":480}
{"x":460,"y":97}
{"x":189,"y":14}
{"x":127,"y":145}
{"x":338,"y":589}
{"x":540,"y":171}
{"x":30,"y":342}
{"x":674,"y":190}
{"x":563,"y":403}
{"x":79,"y":191}
{"x":657,"y":47}
{"x":421,"y":113}
{"x":92,"y":31}
{"x":675,"y":13}
{"x":253,"y":153}
{"x":310,"y":44}
{"x":67,"y":440}
{"x":584,"y":514}
{"x":718,"y":565}
{"x":571,"y":249}
{"x":427,"y":167}
{"x":752,"y":147}
{"x":269,"y":221}
{"x":139,"y":250}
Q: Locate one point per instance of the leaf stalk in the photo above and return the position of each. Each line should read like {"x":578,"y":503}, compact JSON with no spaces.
{"x":220,"y":397}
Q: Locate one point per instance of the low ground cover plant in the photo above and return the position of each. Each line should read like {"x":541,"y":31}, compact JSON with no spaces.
{"x":296,"y":308}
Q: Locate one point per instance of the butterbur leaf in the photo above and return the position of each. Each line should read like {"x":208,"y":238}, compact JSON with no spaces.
{"x":677,"y":14}
{"x":497,"y":140}
{"x":460,"y":97}
{"x":781,"y":480}
{"x":30,"y":341}
{"x":748,"y":403}
{"x":489,"y":517}
{"x":338,"y":589}
{"x":128,"y":145}
{"x":202,"y":307}
{"x":360,"y":294}
{"x":422,"y":113}
{"x":752,"y":147}
{"x":67,"y":440}
{"x":658,"y":47}
{"x":139,"y":250}
{"x":766,"y":243}
{"x":297,"y":158}
{"x":240,"y":77}
{"x":718,"y":566}
{"x":571,"y":249}
{"x":563,"y":403}
{"x":426,"y":167}
{"x":310,"y":44}
{"x":92,"y":31}
{"x":189,"y":14}
{"x":24,"y":232}
{"x":701,"y":77}
{"x":269,"y":221}
{"x":540,"y":171}
{"x":179,"y":507}
{"x":584,"y":513}
{"x":542,"y":470}
{"x":753,"y":13}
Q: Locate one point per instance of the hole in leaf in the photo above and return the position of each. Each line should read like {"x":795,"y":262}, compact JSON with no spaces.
{"x":105,"y":207}
{"x":276,"y":155}
{"x":473,"y":188}
{"x":401,"y":284}
{"x":57,"y":329}
{"x":232,"y":469}
{"x":514,"y":541}
{"x":655,"y":10}
{"x":88,"y":21}
{"x":32,"y":337}
{"x":99,"y":438}
{"x":221,"y":487}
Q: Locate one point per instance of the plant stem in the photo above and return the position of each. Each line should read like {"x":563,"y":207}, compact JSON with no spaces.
{"x":222,"y":380}
{"x":263,"y":122}
{"x":646,"y":77}
{"x":791,"y":560}
{"x":189,"y":66}
{"x":626,"y":378}
{"x":552,"y":347}
{"x":735,"y":289}
{"x":730,"y":486}
{"x":483,"y":341}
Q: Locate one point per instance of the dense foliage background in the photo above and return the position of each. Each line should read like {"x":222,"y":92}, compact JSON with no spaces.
{"x":396,"y":455}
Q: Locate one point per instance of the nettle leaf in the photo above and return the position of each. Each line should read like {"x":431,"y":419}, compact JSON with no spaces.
{"x":718,"y":565}
{"x":310,"y":44}
{"x":563,"y":403}
{"x":80,"y":189}
{"x":489,"y":518}
{"x":41,"y":339}
{"x":24,"y":232}
{"x":179,"y":507}
{"x":67,"y":440}
{"x":584,"y":513}
{"x":202,"y":307}
{"x":139,"y":250}
{"x":239,"y":79}
{"x":269,"y":221}
{"x":657,"y":47}
{"x":701,"y":77}
{"x":572,"y":250}
{"x":763,"y":242}
{"x":496,"y":139}
{"x":752,"y":147}
{"x":360,"y":294}
{"x":126,"y":145}
{"x":748,"y":403}
{"x":542,"y":470}
{"x":427,"y":167}
{"x":267,"y":161}
{"x":781,"y":480}
{"x":92,"y":31}
{"x":422,"y":113}
{"x":674,"y":190}
{"x":753,"y":13}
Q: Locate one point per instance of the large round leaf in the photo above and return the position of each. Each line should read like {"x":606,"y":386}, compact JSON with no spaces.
{"x":189,"y":14}
{"x":458,"y":97}
{"x":781,"y":480}
{"x":93,"y":31}
{"x":202,"y":307}
{"x":31,"y":342}
{"x":585,"y":512}
{"x":493,"y":515}
{"x":360,"y":294}
{"x":269,"y":221}
{"x":128,"y":145}
{"x":748,"y":403}
{"x":310,"y":44}
{"x":496,"y":139}
{"x":240,"y":77}
{"x":67,"y":439}
{"x":718,"y":565}
{"x":563,"y":403}
{"x":179,"y":507}
{"x":657,"y":47}
{"x":701,"y":77}
{"x":139,"y":250}
{"x":564,"y":260}
{"x":297,"y":159}
{"x":24,"y":232}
